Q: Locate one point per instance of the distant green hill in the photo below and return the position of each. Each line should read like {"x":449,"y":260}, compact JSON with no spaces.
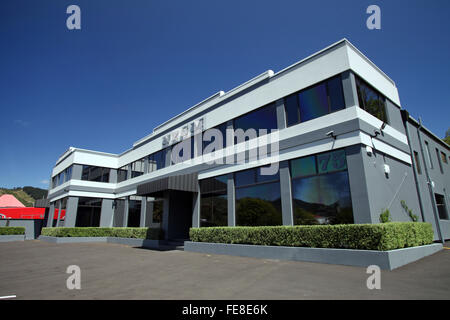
{"x":26,"y":195}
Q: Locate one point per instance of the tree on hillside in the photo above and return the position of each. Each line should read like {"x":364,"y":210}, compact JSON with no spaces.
{"x":447,"y":136}
{"x":35,"y":193}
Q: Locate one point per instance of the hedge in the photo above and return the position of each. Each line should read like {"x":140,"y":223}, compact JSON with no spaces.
{"x":139,"y":233}
{"x":382,"y":236}
{"x":11,"y":231}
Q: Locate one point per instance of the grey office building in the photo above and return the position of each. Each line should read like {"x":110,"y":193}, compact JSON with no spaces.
{"x":343,"y":147}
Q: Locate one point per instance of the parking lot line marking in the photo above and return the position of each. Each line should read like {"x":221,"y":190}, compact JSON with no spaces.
{"x":446,"y":248}
{"x":8,"y":297}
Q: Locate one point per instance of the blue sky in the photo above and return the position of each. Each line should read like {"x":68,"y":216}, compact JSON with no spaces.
{"x":135,"y":64}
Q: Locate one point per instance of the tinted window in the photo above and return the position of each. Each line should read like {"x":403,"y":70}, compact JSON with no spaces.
{"x":370,"y":100}
{"x":157,"y":160}
{"x":291,"y":106}
{"x":323,"y":199}
{"x":245,"y":177}
{"x":259,"y":205}
{"x":122,"y":173}
{"x":305,"y":166}
{"x":257,"y":200}
{"x":336,"y":94}
{"x":223,"y":131}
{"x":320,"y":189}
{"x":262,"y":118}
{"x":134,"y":213}
{"x":137,"y":168}
{"x":92,"y":173}
{"x":88,"y":212}
{"x":331,"y":161}
{"x":213,"y":202}
{"x":313,"y":102}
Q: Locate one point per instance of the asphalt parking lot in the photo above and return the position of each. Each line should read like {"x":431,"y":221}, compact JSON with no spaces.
{"x":37,"y":270}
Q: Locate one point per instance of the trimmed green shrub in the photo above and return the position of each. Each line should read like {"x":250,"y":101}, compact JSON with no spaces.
{"x":6,"y":231}
{"x":382,"y":236}
{"x":385,"y":216}
{"x":138,"y":233}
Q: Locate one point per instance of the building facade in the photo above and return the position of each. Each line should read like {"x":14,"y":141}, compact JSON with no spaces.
{"x":342,"y":147}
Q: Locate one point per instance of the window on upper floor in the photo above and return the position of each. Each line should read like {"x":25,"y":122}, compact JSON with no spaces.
{"x":93,"y":173}
{"x":417,"y":161}
{"x":316,"y":101}
{"x":137,"y":168}
{"x":444,"y":157}
{"x":439,"y":161}
{"x":212,"y":136}
{"x":371,"y":100}
{"x":157,"y":160}
{"x":122,"y":173}
{"x":68,"y":173}
{"x":262,"y":118}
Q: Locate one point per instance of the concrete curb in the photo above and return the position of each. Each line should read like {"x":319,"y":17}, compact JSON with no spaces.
{"x":12,"y":237}
{"x":387,"y":260}
{"x":133,"y":242}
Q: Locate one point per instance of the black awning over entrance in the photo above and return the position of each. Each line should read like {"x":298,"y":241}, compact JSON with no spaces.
{"x":185,"y":182}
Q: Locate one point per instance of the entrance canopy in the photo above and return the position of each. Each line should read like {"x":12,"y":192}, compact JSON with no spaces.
{"x":156,"y":188}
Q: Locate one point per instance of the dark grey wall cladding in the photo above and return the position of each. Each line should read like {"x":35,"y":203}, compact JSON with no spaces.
{"x":358,"y":184}
{"x":312,"y":136}
{"x":394,"y":117}
{"x":387,"y":190}
{"x":186,"y":182}
{"x":441,"y":180}
{"x":369,"y":129}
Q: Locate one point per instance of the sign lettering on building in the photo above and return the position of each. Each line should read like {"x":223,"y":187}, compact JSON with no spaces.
{"x":184,"y":132}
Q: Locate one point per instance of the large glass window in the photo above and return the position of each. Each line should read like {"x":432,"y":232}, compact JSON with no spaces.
{"x":134,"y":211}
{"x":223,"y":131}
{"x":88,"y":212}
{"x":68,"y":173}
{"x":315,"y":101}
{"x":370,"y":100}
{"x":122,"y":173}
{"x":258,"y":199}
{"x":321,"y":190}
{"x":93,"y":173}
{"x":213,"y":202}
{"x":157,"y":160}
{"x":137,"y":168}
{"x":61,"y":178}
{"x":262,"y":118}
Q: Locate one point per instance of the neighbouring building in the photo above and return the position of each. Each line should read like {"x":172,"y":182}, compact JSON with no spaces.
{"x":347,"y":151}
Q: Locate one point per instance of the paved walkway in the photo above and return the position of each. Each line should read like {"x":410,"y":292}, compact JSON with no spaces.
{"x":37,"y":270}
